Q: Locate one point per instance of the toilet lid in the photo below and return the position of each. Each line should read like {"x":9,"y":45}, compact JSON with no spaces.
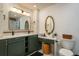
{"x":66,"y":52}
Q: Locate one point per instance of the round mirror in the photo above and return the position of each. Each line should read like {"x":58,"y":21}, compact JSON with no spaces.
{"x":49,"y":25}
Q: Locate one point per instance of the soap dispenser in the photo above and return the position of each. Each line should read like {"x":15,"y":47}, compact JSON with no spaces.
{"x":54,"y":35}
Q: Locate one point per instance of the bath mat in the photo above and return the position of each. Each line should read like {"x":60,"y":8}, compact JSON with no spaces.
{"x":37,"y":54}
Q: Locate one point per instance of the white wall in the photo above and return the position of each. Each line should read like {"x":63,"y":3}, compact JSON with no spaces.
{"x":66,"y":17}
{"x":35,"y":20}
{"x":3,"y":22}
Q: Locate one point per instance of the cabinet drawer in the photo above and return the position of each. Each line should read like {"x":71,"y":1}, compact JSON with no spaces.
{"x":15,"y":40}
{"x":33,"y":37}
{"x":46,"y":41}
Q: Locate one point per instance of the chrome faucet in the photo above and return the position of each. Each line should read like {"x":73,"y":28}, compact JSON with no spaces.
{"x":12,"y":32}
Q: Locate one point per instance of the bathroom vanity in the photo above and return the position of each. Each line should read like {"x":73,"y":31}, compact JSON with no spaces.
{"x":23,"y":44}
{"x":19,"y":45}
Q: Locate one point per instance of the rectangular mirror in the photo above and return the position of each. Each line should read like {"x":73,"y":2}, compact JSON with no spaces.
{"x":18,"y":21}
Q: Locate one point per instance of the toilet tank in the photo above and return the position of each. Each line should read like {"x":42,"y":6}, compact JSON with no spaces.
{"x":68,"y":44}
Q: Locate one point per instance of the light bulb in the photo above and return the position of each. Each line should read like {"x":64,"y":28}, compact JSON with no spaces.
{"x":35,"y":6}
{"x":25,"y":13}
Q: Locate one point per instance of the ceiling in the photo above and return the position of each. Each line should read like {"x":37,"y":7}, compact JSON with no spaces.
{"x":31,"y":5}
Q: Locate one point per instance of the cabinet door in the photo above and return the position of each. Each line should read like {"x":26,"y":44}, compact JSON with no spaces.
{"x":16,"y":48}
{"x":3,"y":48}
{"x":33,"y":43}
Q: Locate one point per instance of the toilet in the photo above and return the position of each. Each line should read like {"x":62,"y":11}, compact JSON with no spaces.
{"x":66,"y":47}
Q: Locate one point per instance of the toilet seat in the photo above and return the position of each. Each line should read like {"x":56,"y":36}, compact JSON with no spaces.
{"x":65,"y":52}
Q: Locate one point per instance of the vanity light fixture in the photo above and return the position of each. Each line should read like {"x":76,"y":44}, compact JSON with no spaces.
{"x":20,"y":11}
{"x":4,"y":17}
{"x":16,"y":10}
{"x":25,"y":13}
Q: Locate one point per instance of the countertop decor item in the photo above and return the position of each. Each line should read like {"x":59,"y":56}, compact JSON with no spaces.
{"x":49,"y":25}
{"x":54,"y":35}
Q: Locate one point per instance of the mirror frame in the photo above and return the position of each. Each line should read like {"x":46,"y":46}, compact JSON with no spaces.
{"x":46,"y":25}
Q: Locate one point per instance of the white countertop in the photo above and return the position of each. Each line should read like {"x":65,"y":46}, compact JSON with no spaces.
{"x":48,"y":38}
{"x":23,"y":35}
{"x":14,"y":36}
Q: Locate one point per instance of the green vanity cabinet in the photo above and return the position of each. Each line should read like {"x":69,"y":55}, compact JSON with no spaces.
{"x":19,"y":46}
{"x":16,"y":46}
{"x":3,"y":47}
{"x":33,"y":43}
